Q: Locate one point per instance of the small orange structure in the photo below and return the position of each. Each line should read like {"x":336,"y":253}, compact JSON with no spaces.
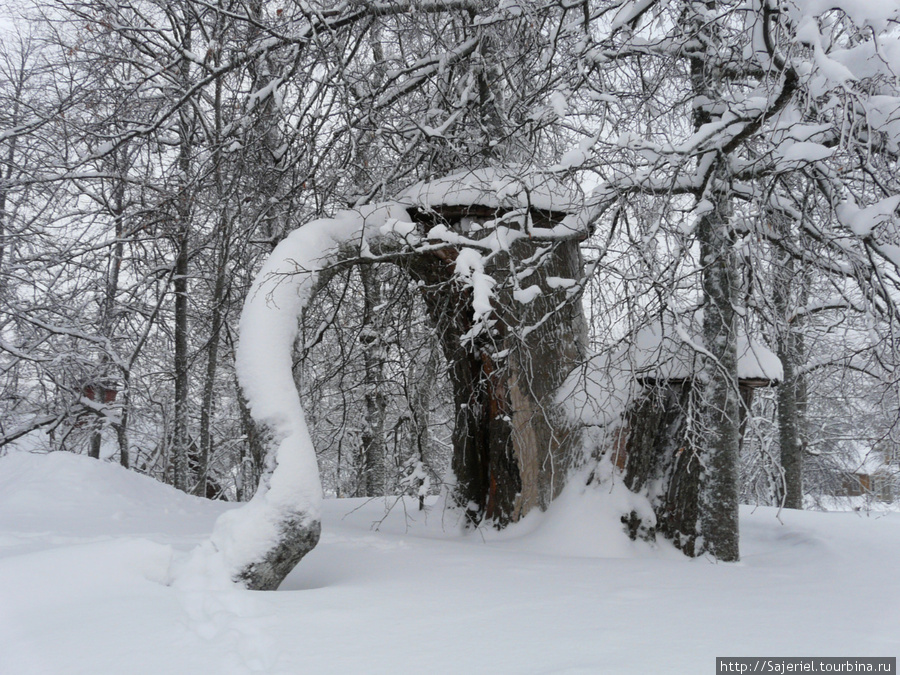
{"x":868,"y":475}
{"x":102,"y":393}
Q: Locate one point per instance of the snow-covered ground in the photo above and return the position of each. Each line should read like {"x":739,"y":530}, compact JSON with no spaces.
{"x":86,"y":548}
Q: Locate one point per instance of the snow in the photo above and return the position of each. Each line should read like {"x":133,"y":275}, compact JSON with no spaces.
{"x":526,"y":295}
{"x":865,"y":460}
{"x":629,"y":11}
{"x":470,"y":270}
{"x":560,"y":282}
{"x":559,"y":103}
{"x":494,"y":188}
{"x":598,"y":392}
{"x":268,"y":330}
{"x":862,"y":12}
{"x":883,"y":113}
{"x":805,"y":151}
{"x":862,"y":221}
{"x":661,"y":351}
{"x":85,"y":549}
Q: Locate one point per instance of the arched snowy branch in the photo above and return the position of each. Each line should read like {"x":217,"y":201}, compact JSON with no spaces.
{"x":259,"y":544}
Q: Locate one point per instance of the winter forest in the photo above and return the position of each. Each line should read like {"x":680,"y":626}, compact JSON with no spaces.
{"x":540,"y":273}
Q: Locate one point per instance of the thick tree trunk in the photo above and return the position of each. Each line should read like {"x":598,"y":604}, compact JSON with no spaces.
{"x":298,"y":535}
{"x":663,"y":456}
{"x":512,"y":448}
{"x":683,"y":438}
{"x":661,"y":462}
{"x":696,"y":426}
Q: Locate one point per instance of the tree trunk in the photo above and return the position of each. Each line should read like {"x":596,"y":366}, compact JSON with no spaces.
{"x":683,"y":439}
{"x":252,"y":451}
{"x":512,"y":448}
{"x":96,"y":441}
{"x":220,"y":290}
{"x":789,"y":350}
{"x":717,"y":395}
{"x":422,"y":380}
{"x":661,"y":462}
{"x":212,"y":361}
{"x":373,"y":438}
{"x":373,"y":445}
{"x":122,"y":426}
{"x":719,"y":398}
{"x":108,"y":311}
{"x":181,"y":434}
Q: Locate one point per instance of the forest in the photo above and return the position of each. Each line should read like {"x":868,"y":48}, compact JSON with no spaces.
{"x":476,"y":249}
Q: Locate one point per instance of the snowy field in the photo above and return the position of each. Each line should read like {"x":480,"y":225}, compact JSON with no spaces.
{"x":86,"y":547}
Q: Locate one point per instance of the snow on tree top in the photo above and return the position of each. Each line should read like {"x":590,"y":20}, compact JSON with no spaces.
{"x":671,"y":351}
{"x":863,"y":459}
{"x":600,"y":391}
{"x":494,"y":188}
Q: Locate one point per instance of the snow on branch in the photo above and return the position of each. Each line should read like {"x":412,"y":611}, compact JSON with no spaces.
{"x":289,"y":495}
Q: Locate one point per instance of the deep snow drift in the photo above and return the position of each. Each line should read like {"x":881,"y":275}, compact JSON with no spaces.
{"x":86,"y":550}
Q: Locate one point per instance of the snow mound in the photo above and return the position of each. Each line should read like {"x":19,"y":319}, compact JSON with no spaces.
{"x":585,"y":521}
{"x":86,"y":498}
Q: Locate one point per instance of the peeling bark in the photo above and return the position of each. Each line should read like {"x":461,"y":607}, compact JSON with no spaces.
{"x":512,"y":448}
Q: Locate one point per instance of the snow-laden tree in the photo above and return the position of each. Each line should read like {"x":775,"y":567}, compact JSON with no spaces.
{"x":729,"y":124}
{"x":498,"y":265}
{"x":730,"y":143}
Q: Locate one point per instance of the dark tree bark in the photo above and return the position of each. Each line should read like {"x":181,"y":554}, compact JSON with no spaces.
{"x":662,"y":458}
{"x":512,"y":448}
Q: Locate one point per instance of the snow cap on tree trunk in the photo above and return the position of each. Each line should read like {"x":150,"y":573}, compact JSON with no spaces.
{"x":600,"y":391}
{"x":495,"y":188}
